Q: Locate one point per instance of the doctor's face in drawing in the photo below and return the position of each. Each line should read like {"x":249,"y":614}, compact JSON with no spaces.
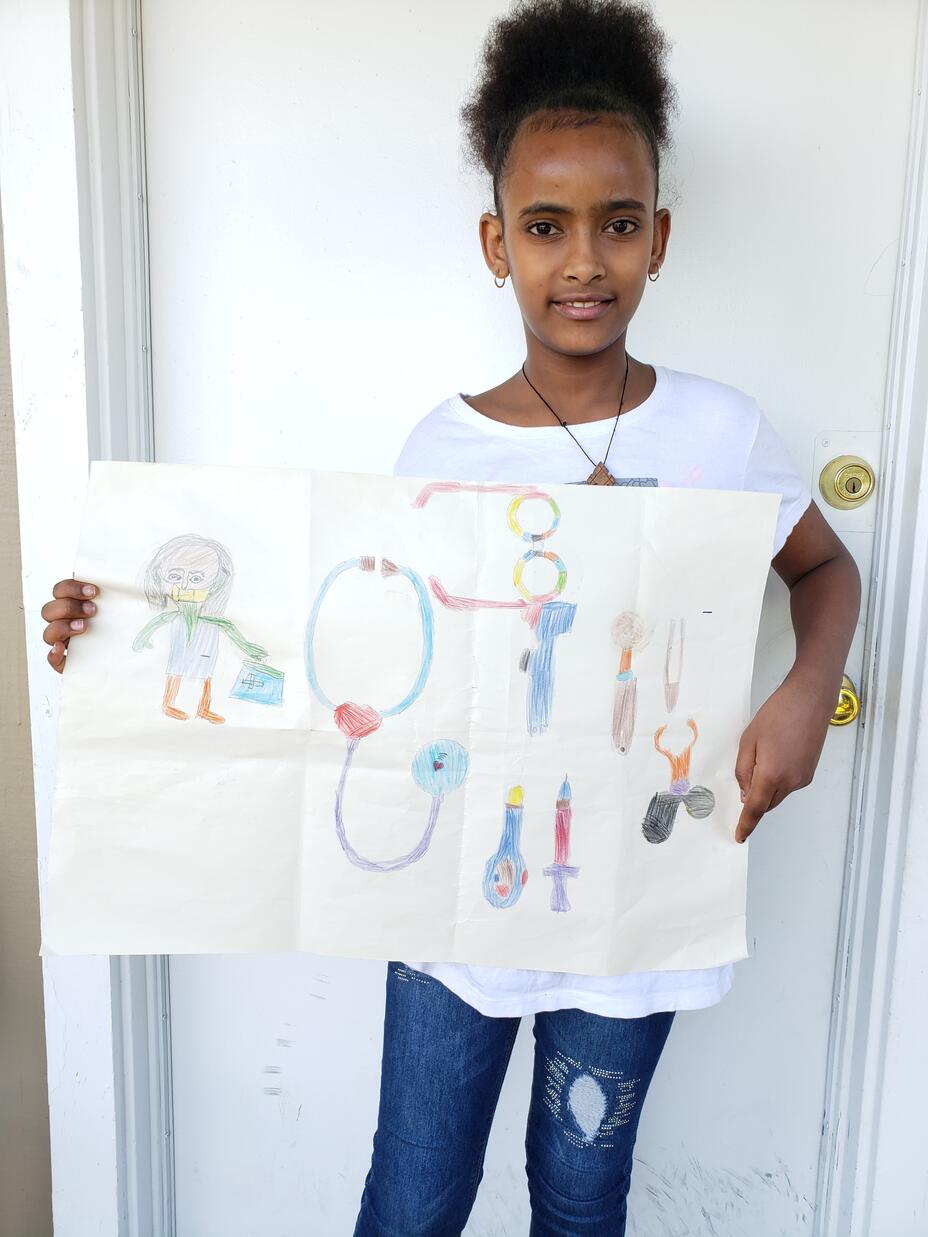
{"x":190,"y":575}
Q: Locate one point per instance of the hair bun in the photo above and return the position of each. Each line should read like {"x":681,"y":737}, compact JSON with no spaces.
{"x":584,"y":55}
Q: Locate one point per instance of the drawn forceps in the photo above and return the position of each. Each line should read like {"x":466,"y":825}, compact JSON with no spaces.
{"x":438,"y":768}
{"x":546,"y":616}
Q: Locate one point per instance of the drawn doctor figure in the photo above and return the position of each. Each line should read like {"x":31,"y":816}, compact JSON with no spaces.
{"x":189,"y":580}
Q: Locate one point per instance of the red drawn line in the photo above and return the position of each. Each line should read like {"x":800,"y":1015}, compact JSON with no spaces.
{"x":471,"y":603}
{"x":457,"y":487}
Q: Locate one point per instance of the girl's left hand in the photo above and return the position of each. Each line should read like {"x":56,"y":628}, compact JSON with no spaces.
{"x":780,"y":749}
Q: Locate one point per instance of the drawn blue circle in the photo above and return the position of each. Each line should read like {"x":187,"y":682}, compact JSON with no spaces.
{"x":452,"y":764}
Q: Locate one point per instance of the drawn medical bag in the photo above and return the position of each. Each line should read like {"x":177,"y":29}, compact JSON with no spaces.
{"x":259,"y":683}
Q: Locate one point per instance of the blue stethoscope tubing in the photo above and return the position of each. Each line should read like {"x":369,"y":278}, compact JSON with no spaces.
{"x":426,"y":617}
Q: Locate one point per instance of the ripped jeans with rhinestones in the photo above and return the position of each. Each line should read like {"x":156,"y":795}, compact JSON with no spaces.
{"x":443,"y":1067}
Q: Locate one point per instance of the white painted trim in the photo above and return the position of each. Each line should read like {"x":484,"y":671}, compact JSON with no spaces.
{"x":110,"y":125}
{"x":38,"y":185}
{"x":893,"y":694}
{"x":110,"y":137}
{"x":144,"y":1096}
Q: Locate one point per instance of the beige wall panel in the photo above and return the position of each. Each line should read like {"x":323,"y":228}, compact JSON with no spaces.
{"x":25,"y":1175}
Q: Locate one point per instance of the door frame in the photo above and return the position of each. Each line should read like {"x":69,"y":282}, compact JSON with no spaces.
{"x":107,"y":55}
{"x":106,"y":42}
{"x":894,"y":733}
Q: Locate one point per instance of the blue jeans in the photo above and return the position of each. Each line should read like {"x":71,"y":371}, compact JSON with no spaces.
{"x":443,"y":1067}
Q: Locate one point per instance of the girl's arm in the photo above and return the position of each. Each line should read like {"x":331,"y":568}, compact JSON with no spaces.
{"x":226,"y":625}
{"x":142,"y":641}
{"x":781,"y":747}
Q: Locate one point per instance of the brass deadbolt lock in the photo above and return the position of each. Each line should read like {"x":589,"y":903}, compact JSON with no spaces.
{"x":848,"y":704}
{"x":846,"y":482}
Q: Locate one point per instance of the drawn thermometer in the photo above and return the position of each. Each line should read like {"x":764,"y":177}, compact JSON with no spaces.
{"x":673,"y":662}
{"x":545,"y":614}
{"x":505,"y":874}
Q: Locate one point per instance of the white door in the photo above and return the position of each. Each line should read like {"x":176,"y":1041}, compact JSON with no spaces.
{"x":317,"y":287}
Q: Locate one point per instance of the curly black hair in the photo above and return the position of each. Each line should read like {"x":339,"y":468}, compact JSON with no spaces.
{"x":582,"y":58}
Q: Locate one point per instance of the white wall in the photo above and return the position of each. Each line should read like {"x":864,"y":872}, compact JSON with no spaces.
{"x":313,"y":231}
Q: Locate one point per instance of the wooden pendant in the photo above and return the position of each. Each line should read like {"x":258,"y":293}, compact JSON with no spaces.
{"x":600,"y":476}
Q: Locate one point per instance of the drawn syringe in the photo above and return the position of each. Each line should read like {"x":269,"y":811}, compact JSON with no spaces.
{"x":505,"y":874}
{"x":561,"y":870}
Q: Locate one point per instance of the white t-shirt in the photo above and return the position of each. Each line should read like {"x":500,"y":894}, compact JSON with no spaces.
{"x":690,"y":431}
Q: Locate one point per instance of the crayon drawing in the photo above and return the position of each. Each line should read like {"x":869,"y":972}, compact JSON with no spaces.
{"x":437,"y":768}
{"x":415,"y":777}
{"x":699,"y":801}
{"x":505,"y":874}
{"x":628,"y":633}
{"x":189,"y":581}
{"x":547,"y":616}
{"x":561,"y":870}
{"x":673,"y":663}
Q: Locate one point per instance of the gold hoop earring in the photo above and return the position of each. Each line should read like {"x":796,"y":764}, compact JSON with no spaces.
{"x":499,"y":285}
{"x":656,"y":276}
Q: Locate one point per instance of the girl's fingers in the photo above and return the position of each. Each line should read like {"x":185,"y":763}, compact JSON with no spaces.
{"x":67,"y":615}
{"x":759,"y":799}
{"x":64,"y":629}
{"x":67,"y":608}
{"x":57,"y":655}
{"x":75,"y":588}
{"x":744,"y":764}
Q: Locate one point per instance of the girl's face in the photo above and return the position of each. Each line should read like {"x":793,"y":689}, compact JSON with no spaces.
{"x":577,"y":219}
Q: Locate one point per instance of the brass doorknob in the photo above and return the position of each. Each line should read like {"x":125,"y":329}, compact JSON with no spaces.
{"x":848,"y":704}
{"x":846,"y":482}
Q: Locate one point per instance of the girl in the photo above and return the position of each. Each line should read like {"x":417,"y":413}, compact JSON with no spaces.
{"x":568,"y":118}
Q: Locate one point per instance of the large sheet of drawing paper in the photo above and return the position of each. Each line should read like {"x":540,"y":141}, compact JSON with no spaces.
{"x":389,"y":718}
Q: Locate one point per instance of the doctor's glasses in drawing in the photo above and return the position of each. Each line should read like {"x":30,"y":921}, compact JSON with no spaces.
{"x":437,"y":768}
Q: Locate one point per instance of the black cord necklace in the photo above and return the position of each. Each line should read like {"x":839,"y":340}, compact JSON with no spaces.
{"x":600,"y":474}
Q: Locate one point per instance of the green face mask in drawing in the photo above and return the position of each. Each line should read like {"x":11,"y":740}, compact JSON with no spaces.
{"x":188,"y":581}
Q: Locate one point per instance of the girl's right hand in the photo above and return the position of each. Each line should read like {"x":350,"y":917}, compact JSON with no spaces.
{"x":67,"y":615}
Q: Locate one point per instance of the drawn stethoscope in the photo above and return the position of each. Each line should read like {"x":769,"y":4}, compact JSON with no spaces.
{"x":438,"y":768}
{"x":546,"y":616}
